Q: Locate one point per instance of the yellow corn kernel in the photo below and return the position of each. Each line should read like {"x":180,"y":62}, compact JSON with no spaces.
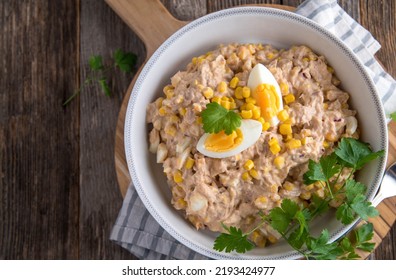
{"x":288,"y":137}
{"x":330,"y":69}
{"x":306,"y":59}
{"x":216,"y":99}
{"x":279,"y":162}
{"x":249,"y":164}
{"x":272,"y":239}
{"x":261,"y":199}
{"x":258,"y":239}
{"x":305,"y":195}
{"x":171,"y":130}
{"x":247,"y":114}
{"x":249,"y":106}
{"x":238,"y":93}
{"x":325,"y":106}
{"x":256,"y":113}
{"x":169,"y":93}
{"x":226,"y":104}
{"x":189,"y":163}
{"x":274,"y":189}
{"x":288,"y":186}
{"x":275,"y":149}
{"x":234,"y":82}
{"x":182,"y":111}
{"x":232,"y":105}
{"x":162,"y":111}
{"x":270,"y":55}
{"x":266,"y":126}
{"x":174,"y":118}
{"x":180,"y":204}
{"x":250,"y":100}
{"x":199,"y":120}
{"x":177,"y":177}
{"x":225,"y":98}
{"x":158,"y":102}
{"x":293,"y":144}
{"x":194,"y":60}
{"x":309,"y":187}
{"x":246,"y":92}
{"x":208,"y":92}
{"x":289,"y":98}
{"x":253,"y":172}
{"x":245,"y":176}
{"x":284,"y":88}
{"x":304,"y":141}
{"x":283,"y":115}
{"x":326,"y":144}
{"x":222,"y":87}
{"x":331,"y":137}
{"x":273,"y":141}
{"x":285,"y":129}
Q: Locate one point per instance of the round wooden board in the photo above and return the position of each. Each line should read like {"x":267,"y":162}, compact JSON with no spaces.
{"x":136,"y":14}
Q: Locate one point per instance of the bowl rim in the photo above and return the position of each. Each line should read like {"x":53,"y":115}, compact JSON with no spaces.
{"x":237,"y":11}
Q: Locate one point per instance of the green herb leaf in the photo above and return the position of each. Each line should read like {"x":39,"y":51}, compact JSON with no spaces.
{"x":235,"y":240}
{"x":95,"y":62}
{"x":355,"y":153}
{"x":216,"y":118}
{"x":124,"y":61}
{"x":321,"y":249}
{"x":363,"y":208}
{"x":345,"y":214}
{"x":353,"y":188}
{"x":323,"y":170}
{"x":363,"y":235}
{"x":282,"y":216}
{"x":393,"y":116}
{"x":105,"y":87}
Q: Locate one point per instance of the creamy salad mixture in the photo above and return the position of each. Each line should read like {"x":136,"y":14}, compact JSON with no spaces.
{"x":233,"y":190}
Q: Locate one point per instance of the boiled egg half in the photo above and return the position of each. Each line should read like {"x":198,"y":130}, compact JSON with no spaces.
{"x":221,"y":145}
{"x":265,"y":89}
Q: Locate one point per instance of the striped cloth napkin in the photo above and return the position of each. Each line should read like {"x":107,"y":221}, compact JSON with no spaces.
{"x":138,"y":232}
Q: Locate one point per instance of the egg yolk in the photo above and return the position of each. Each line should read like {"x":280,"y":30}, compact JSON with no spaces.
{"x":268,"y":100}
{"x":221,"y":142}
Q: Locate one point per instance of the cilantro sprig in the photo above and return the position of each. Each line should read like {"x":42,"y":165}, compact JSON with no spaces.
{"x":216,"y":118}
{"x":125,"y":61}
{"x":292,"y":221}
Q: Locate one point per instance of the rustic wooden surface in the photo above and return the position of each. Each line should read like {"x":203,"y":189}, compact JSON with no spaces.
{"x":58,"y":190}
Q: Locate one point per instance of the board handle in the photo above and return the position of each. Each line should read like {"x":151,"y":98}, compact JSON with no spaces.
{"x":149,"y":19}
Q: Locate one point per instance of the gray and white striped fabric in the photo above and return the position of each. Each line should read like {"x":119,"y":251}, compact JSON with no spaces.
{"x":138,"y":232}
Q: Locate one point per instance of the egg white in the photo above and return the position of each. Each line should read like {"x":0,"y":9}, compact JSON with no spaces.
{"x":251,"y":131}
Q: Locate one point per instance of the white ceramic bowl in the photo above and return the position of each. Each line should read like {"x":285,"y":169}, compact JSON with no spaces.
{"x":255,"y":25}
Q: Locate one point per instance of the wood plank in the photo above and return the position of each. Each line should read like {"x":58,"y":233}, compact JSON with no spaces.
{"x":102,"y":32}
{"x":379,"y":18}
{"x":39,"y":139}
{"x":214,"y":6}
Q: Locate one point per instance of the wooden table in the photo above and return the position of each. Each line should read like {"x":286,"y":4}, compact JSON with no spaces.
{"x":59,"y":195}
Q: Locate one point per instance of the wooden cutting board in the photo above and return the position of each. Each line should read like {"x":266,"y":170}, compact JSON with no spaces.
{"x":152,"y":22}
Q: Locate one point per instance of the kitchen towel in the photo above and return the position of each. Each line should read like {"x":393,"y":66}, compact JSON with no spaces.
{"x":138,"y":232}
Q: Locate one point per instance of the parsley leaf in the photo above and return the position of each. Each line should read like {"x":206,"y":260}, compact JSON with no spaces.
{"x":355,"y":154}
{"x":95,"y":62}
{"x":353,"y":188}
{"x":321,"y":249}
{"x":363,"y":235}
{"x":216,"y":118}
{"x":282,"y":216}
{"x":124,"y":61}
{"x":345,"y":214}
{"x":234,"y":240}
{"x":363,"y":208}
{"x":323,"y":170}
{"x":393,"y":116}
{"x":105,"y":87}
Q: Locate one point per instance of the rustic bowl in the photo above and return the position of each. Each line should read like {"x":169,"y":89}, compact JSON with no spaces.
{"x":244,"y":25}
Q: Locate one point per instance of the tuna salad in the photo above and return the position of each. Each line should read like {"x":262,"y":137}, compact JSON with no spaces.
{"x":303,"y":119}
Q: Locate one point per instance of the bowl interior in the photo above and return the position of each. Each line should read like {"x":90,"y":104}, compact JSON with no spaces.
{"x":244,"y":25}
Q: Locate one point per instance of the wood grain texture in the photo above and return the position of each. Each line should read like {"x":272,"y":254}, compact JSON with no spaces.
{"x":382,"y":223}
{"x":59,"y":194}
{"x":99,"y":198}
{"x":39,"y":140}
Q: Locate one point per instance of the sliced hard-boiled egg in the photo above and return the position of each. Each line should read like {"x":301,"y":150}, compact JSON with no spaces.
{"x":265,"y":89}
{"x":221,"y":145}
